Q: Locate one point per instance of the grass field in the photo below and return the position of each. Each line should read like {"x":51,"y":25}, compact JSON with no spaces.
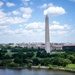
{"x":9,"y":53}
{"x":72,"y":66}
{"x":34,"y":54}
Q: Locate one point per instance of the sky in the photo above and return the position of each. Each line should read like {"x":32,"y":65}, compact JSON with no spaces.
{"x":24,"y":21}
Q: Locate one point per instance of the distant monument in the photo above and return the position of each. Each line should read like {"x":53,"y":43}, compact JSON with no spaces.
{"x":47,"y":41}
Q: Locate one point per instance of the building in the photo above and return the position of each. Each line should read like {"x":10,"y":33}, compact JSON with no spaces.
{"x":69,"y":48}
{"x":57,"y":47}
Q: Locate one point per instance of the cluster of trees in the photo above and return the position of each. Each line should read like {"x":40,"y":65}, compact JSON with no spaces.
{"x":29,"y":56}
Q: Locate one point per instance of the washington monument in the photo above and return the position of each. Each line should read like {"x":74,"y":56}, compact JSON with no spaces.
{"x":47,"y":40}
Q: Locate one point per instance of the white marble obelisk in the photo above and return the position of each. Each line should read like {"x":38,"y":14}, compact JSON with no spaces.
{"x":47,"y":41}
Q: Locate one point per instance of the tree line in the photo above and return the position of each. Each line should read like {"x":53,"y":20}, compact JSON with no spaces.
{"x":18,"y":56}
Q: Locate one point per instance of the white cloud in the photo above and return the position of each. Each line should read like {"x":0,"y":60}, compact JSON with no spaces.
{"x":50,"y":5}
{"x":14,"y":20}
{"x":2,"y":14}
{"x":46,"y":5}
{"x":35,"y":26}
{"x":15,"y":17}
{"x":56,"y":26}
{"x":72,"y":0}
{"x":3,"y":27}
{"x":26,"y":2}
{"x":34,"y":31}
{"x":54,"y":11}
{"x":15,"y":12}
{"x":6,"y":19}
{"x":55,"y":23}
{"x":1,"y":3}
{"x":27,"y":10}
{"x":10,"y":4}
{"x":43,"y":6}
{"x":27,"y":16}
{"x":31,"y":3}
{"x":58,"y":29}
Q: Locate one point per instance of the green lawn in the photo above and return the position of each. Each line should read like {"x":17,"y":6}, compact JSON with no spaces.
{"x":34,"y":55}
{"x":58,"y":52}
{"x":72,"y":66}
{"x":9,"y":52}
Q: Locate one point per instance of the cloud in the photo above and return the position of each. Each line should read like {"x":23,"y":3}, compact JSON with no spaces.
{"x":35,"y":26}
{"x":57,"y":26}
{"x":3,"y":27}
{"x":25,"y":31}
{"x":50,"y":5}
{"x":31,"y":3}
{"x":46,"y":5}
{"x":26,"y":2}
{"x":22,"y":15}
{"x":57,"y":29}
{"x":10,"y":19}
{"x":43,"y":6}
{"x":54,"y":11}
{"x":34,"y":31}
{"x":55,"y":22}
{"x":39,"y":27}
{"x":72,"y":0}
{"x":10,"y":4}
{"x":27,"y":10}
{"x":17,"y":16}
{"x":1,"y":3}
{"x":15,"y":12}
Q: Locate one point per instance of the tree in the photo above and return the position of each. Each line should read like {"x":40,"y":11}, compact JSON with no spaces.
{"x":35,"y":61}
{"x":42,"y":54}
{"x":60,"y":61}
{"x":18,"y":60}
{"x":66,"y":62}
{"x":30,"y":54}
{"x":45,"y":61}
{"x":7,"y":57}
{"x":19,"y":55}
{"x":72,"y":58}
{"x":6,"y":62}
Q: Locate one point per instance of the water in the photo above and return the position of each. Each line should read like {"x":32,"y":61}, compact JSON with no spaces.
{"x":33,"y":72}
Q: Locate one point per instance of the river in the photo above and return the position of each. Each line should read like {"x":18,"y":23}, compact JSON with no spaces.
{"x":33,"y":72}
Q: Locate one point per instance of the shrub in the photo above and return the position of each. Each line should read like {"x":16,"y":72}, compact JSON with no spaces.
{"x":39,"y":65}
{"x":50,"y":66}
{"x":13,"y":64}
{"x":29,"y":65}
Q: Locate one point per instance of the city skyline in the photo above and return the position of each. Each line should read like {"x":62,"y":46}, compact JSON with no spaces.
{"x":23,"y":20}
